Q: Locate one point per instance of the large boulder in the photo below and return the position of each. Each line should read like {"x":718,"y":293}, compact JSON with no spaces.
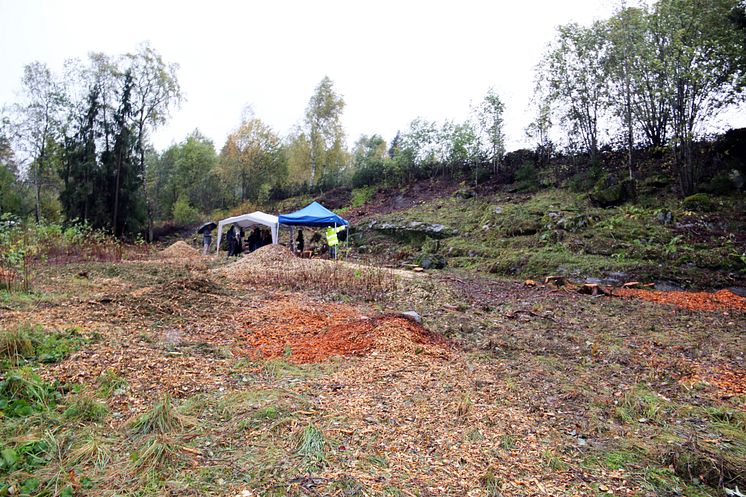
{"x":414,"y":230}
{"x":610,"y":191}
{"x":431,"y":261}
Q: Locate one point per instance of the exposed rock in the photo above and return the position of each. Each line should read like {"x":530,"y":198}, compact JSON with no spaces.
{"x":464,"y":193}
{"x":414,"y":315}
{"x":698,"y":202}
{"x":414,"y":229}
{"x":664,"y":217}
{"x":431,"y":261}
{"x":738,"y":290}
{"x":736,"y":178}
{"x":609,"y":191}
{"x":497,"y":210}
{"x":667,"y":286}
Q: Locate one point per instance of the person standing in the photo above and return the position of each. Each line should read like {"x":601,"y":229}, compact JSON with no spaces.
{"x":206,"y":241}
{"x":231,"y":239}
{"x":239,"y":241}
{"x":300,"y":242}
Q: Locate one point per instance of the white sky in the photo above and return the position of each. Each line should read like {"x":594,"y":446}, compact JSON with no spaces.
{"x":392,"y":61}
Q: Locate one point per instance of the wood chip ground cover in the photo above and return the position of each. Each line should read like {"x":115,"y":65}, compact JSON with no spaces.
{"x":506,"y":390}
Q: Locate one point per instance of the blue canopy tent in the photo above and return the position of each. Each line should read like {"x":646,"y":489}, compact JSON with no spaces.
{"x":313,"y":215}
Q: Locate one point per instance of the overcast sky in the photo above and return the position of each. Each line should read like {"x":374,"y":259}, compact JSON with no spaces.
{"x":392,"y":61}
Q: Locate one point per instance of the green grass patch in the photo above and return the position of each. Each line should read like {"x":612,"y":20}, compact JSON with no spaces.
{"x":85,"y":409}
{"x":26,"y":343}
{"x":23,"y":393}
{"x":110,"y":382}
{"x":161,"y":418}
{"x":156,"y":454}
{"x":312,"y":447}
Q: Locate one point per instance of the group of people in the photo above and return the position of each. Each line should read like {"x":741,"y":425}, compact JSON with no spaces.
{"x":234,"y":238}
{"x":236,"y":243}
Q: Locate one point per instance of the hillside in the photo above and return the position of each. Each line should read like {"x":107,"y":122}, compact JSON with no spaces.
{"x":698,"y":243}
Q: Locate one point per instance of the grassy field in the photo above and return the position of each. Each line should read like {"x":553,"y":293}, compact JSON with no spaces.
{"x":188,"y":377}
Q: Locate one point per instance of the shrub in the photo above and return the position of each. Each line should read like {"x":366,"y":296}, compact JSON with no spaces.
{"x":527,"y":178}
{"x":185,"y":213}
{"x":698,"y":202}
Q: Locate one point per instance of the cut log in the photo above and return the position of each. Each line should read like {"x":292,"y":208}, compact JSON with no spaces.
{"x":592,"y":289}
{"x":555,"y":280}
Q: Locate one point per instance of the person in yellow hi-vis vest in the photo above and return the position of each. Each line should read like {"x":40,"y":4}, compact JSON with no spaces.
{"x":332,"y":240}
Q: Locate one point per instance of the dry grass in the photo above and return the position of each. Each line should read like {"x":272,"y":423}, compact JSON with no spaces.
{"x":329,"y":278}
{"x":162,"y":418}
{"x":16,"y":344}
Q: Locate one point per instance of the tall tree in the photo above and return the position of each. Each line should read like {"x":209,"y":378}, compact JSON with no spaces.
{"x":252,"y":157}
{"x":39,"y":118}
{"x":156,"y":90}
{"x":80,"y":172}
{"x":489,"y":119}
{"x":324,"y":130}
{"x":575,"y":73}
{"x":703,"y":51}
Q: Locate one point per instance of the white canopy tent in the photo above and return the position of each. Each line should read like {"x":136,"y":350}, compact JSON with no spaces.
{"x":247,"y":220}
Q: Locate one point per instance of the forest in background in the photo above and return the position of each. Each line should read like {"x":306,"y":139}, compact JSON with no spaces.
{"x":646,"y":82}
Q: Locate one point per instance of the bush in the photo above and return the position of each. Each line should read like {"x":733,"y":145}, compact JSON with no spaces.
{"x":185,"y":213}
{"x":698,"y":202}
{"x":527,"y":178}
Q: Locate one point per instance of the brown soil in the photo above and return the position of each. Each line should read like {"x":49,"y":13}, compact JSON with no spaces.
{"x":179,"y":250}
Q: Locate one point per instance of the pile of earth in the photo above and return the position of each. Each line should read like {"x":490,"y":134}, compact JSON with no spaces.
{"x":179,"y":250}
{"x":268,"y":254}
{"x":315,"y":332}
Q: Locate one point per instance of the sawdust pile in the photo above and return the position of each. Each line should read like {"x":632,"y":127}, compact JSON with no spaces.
{"x":355,"y":338}
{"x":722,"y":300}
{"x":306,"y":333}
{"x":178,"y":250}
{"x":268,"y":254}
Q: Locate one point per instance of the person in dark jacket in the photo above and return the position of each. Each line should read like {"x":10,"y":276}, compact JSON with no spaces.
{"x":231,"y":239}
{"x":254,"y":239}
{"x":239,"y":241}
{"x":300,"y":242}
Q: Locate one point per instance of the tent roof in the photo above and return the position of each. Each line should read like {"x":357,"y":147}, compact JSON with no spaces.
{"x":245,"y":220}
{"x":314,"y":214}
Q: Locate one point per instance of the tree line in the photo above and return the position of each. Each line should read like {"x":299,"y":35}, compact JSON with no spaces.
{"x":77,"y":147}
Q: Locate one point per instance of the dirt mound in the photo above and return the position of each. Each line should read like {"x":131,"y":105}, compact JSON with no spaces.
{"x":178,"y":250}
{"x":268,"y":253}
{"x":391,"y":333}
{"x":722,"y":300}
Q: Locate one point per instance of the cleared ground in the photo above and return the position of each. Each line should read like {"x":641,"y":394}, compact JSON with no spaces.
{"x":275,"y":376}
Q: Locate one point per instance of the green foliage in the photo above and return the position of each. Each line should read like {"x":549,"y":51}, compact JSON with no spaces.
{"x":699,"y":202}
{"x":84,"y":408}
{"x":362,"y":195}
{"x":33,"y":343}
{"x":311,"y":447}
{"x":23,"y":392}
{"x":185,"y":213}
{"x":15,"y":344}
{"x":109,"y":382}
{"x":323,"y":127}
{"x":527,"y":178}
